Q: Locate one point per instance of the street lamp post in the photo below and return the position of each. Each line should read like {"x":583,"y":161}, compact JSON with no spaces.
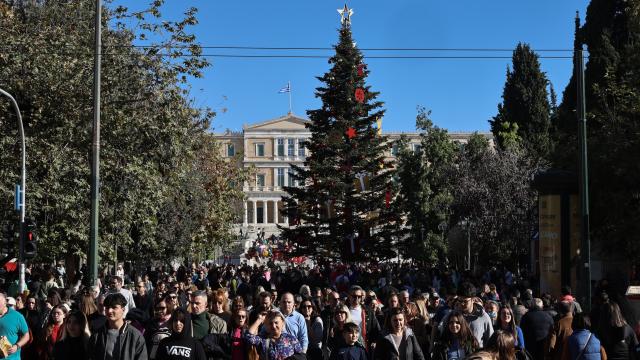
{"x":95,"y":145}
{"x":23,"y":190}
{"x":585,"y":250}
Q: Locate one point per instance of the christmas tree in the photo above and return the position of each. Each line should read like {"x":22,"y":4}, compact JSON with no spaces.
{"x":344,"y":208}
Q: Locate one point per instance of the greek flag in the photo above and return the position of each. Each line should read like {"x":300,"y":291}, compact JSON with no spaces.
{"x":285,"y":89}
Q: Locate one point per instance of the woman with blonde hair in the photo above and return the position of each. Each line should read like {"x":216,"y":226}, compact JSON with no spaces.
{"x":90,"y":310}
{"x":341,"y":316}
{"x":419,"y":324}
{"x":75,"y":338}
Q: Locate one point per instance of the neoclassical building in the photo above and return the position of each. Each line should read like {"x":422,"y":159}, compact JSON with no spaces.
{"x":270,"y":147}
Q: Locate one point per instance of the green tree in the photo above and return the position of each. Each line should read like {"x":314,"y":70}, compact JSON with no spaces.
{"x":612,"y":85}
{"x":425,"y":188}
{"x":492,"y":193}
{"x":525,"y":106}
{"x":331,"y":214}
{"x":152,"y":135}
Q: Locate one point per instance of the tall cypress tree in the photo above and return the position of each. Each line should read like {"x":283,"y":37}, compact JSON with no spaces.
{"x":525,"y":104}
{"x":330,"y":214}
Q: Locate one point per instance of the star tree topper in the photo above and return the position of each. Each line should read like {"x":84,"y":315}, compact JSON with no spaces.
{"x":345,"y":15}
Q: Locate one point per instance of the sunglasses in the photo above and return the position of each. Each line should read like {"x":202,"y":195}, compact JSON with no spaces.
{"x":454,"y":322}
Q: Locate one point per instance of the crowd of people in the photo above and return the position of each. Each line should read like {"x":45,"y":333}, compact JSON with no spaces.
{"x":326,"y":312}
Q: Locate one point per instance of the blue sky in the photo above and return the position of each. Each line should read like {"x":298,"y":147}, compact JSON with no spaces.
{"x":462,"y":93}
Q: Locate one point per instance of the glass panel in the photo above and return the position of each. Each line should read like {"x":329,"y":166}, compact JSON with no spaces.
{"x":260,"y":180}
{"x":231,"y":151}
{"x":301,"y":148}
{"x":281,"y":177}
{"x":280,"y":147}
{"x":291,"y":149}
{"x":259,"y":149}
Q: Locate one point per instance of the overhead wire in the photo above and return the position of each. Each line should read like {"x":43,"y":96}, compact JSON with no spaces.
{"x":163,"y":52}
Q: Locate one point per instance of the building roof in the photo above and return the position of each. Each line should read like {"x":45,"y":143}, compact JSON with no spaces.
{"x":290,"y":117}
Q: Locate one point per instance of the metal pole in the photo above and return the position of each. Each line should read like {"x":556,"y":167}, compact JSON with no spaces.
{"x":585,"y":252}
{"x":469,"y":245}
{"x":23,"y":192}
{"x":95,"y":160}
{"x":290,"y":108}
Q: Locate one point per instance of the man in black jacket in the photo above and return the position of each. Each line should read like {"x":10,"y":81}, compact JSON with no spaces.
{"x":536,"y":326}
{"x":117,"y":339}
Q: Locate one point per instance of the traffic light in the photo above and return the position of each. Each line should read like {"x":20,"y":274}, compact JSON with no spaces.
{"x":30,"y":239}
{"x":9,"y":239}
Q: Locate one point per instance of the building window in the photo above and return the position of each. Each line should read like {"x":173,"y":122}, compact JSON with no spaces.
{"x":291,"y":147}
{"x":260,"y":149}
{"x":301,"y":148}
{"x":280,"y":177}
{"x":416,"y":147}
{"x":292,"y":181}
{"x":394,"y":149}
{"x":231,"y":150}
{"x":260,"y":180}
{"x":280,"y":145}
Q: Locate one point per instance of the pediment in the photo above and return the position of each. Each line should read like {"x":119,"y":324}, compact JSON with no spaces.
{"x":288,"y":122}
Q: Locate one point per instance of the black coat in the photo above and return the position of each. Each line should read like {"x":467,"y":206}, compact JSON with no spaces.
{"x":386,"y":348}
{"x":71,"y":349}
{"x":536,"y":326}
{"x":132,"y":346}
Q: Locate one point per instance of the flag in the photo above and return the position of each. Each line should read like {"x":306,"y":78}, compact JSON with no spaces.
{"x":285,"y":89}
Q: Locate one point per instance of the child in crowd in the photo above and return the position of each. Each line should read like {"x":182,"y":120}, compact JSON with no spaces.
{"x":351,"y":349}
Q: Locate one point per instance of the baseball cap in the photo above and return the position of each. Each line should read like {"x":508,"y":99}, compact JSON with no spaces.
{"x":11,"y":301}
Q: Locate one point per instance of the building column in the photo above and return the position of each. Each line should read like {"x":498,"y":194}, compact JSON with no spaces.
{"x":245,"y":213}
{"x":275,"y":212}
{"x":255,"y":212}
{"x":265,"y":212}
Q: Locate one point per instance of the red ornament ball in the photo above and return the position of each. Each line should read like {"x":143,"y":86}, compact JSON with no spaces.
{"x":359,"y":95}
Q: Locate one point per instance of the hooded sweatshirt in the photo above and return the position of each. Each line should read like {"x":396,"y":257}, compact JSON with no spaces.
{"x":181,"y":346}
{"x":479,"y":322}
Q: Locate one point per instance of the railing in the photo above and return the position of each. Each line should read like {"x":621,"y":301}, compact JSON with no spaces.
{"x":262,"y":188}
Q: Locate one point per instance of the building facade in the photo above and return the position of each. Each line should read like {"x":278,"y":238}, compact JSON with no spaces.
{"x":270,"y":147}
